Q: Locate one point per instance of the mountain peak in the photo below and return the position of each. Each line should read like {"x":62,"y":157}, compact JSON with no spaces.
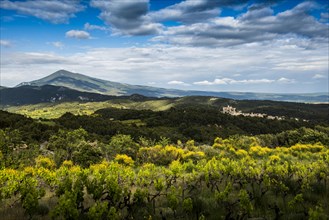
{"x":45,"y":80}
{"x":79,"y":82}
{"x":63,"y":73}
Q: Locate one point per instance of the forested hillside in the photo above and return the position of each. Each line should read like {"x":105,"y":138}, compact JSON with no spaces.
{"x":302,"y":111}
{"x":183,"y":163}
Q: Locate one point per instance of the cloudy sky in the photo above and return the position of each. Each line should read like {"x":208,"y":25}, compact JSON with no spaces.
{"x":217,"y":45}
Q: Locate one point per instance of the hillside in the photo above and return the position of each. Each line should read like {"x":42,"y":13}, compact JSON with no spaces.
{"x":89,"y":84}
{"x":45,"y":94}
{"x":30,"y":94}
{"x":302,"y":111}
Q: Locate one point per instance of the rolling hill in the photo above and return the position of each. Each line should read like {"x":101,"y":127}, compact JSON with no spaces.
{"x":91,"y":102}
{"x":45,"y":94}
{"x":85,"y":83}
{"x":30,"y":94}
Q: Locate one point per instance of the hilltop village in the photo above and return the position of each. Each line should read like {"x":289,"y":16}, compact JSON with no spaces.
{"x":232,"y":111}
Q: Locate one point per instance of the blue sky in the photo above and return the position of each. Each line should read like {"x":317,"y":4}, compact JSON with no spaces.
{"x":216,"y":45}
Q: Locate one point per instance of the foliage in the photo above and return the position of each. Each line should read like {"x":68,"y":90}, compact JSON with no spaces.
{"x":101,"y":174}
{"x":237,"y":183}
{"x":124,"y":159}
{"x":123,"y":144}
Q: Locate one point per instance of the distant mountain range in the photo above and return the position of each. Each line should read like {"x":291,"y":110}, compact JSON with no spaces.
{"x":82,"y":83}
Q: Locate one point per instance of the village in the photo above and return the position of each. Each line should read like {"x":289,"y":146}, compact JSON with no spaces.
{"x":232,"y":111}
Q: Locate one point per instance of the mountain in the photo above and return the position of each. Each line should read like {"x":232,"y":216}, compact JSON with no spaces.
{"x":29,"y":94}
{"x":85,"y":83}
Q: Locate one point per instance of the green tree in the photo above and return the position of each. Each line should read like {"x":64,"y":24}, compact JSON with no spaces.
{"x":123,"y":144}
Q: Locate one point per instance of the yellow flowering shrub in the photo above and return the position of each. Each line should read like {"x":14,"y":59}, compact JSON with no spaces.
{"x":124,"y":159}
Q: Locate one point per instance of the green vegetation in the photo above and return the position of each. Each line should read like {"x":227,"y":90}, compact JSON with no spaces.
{"x":123,"y":179}
{"x":185,"y":162}
{"x":200,"y":124}
{"x":56,"y":110}
{"x":317,"y":113}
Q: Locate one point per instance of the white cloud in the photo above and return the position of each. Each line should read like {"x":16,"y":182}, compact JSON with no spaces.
{"x":58,"y":44}
{"x":319,"y":76}
{"x":259,"y":25}
{"x":204,"y":83}
{"x":90,"y":27}
{"x":5,"y":43}
{"x":78,"y":34}
{"x":245,"y":68}
{"x":226,"y":81}
{"x":54,"y":11}
{"x":252,"y":81}
{"x":285,"y":80}
{"x":176,"y":82}
{"x":194,"y":11}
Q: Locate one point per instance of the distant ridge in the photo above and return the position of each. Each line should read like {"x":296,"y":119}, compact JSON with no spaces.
{"x":28,"y":94}
{"x":85,"y":83}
